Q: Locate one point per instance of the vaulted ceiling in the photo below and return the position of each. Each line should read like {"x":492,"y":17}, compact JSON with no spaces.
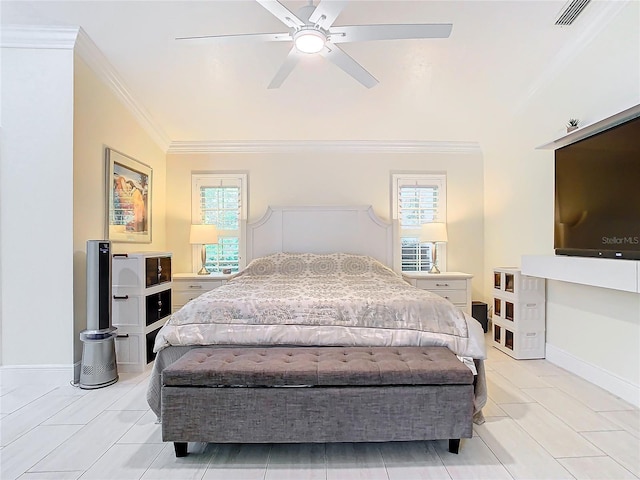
{"x":497,"y":56}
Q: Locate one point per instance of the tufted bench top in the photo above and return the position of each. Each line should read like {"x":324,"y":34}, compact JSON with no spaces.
{"x":316,"y":366}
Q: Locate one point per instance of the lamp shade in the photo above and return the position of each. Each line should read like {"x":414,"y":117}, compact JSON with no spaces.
{"x":203,"y":234}
{"x":433,"y":232}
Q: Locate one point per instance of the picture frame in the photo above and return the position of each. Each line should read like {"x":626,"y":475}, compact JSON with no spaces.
{"x":129,"y":195}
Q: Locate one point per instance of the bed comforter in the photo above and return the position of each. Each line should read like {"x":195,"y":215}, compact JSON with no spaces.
{"x":309,"y":299}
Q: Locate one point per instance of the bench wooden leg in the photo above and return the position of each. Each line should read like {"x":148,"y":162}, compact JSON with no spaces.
{"x":454,"y":445}
{"x":181,"y":449}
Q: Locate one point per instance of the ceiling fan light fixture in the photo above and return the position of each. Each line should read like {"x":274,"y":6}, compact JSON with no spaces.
{"x":309,"y":40}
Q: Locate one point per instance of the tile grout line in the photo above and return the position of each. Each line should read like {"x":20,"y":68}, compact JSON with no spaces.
{"x":568,"y":426}
{"x":39,"y":424}
{"x":528,"y":434}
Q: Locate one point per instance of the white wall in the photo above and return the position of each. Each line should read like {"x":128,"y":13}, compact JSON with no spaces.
{"x":587,"y":327}
{"x":57,"y":118}
{"x":36,"y":206}
{"x":336,"y":178}
{"x":101,"y":120}
{"x":583,"y":320}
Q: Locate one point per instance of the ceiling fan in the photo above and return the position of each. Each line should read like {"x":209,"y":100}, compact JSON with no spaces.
{"x":312,"y":32}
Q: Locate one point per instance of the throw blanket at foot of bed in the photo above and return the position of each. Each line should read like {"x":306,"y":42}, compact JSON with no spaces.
{"x":316,"y":394}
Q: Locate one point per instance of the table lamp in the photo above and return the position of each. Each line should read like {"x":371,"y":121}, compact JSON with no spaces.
{"x":434,"y":232}
{"x":203,"y":235}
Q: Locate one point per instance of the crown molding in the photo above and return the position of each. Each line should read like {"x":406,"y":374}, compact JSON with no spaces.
{"x":355,"y":146}
{"x":90,"y":53}
{"x":38,"y":37}
{"x":75,"y":38}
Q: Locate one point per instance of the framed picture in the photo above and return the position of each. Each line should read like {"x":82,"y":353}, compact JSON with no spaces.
{"x":128,"y":199}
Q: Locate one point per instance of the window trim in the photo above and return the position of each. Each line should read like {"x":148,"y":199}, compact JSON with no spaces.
{"x":201,"y":179}
{"x":399,"y":180}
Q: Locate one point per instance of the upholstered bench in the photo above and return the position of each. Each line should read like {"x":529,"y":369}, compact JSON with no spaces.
{"x":316,"y":394}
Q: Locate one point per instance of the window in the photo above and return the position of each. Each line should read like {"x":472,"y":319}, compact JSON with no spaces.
{"x":221,"y":200}
{"x":417,"y":199}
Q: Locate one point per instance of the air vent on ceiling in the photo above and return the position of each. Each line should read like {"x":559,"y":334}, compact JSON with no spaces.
{"x":570,"y":12}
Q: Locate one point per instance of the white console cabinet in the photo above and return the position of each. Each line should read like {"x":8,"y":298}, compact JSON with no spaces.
{"x":141,"y":304}
{"x":187,"y":286}
{"x":616,"y":274}
{"x":518,"y":313}
{"x":454,"y":286}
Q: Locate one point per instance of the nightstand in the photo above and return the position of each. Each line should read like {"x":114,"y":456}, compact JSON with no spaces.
{"x":454,"y":286}
{"x":187,"y":286}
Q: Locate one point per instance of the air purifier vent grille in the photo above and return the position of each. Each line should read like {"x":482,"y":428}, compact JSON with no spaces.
{"x":98,"y":369}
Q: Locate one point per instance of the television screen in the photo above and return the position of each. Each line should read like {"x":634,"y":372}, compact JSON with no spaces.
{"x":597,"y":194}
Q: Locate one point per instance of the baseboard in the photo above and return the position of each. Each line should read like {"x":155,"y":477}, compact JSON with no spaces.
{"x":604,"y":379}
{"x":37,"y":374}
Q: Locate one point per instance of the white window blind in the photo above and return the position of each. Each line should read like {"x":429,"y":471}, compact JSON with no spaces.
{"x":220,"y":200}
{"x":417,"y":199}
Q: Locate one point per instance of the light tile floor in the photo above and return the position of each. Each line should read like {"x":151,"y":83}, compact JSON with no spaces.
{"x":541,"y":423}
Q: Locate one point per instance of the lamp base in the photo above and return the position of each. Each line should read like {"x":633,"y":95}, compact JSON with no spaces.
{"x":203,"y":258}
{"x":434,"y":258}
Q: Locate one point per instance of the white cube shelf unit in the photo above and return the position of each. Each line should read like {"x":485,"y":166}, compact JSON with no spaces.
{"x":518,"y":313}
{"x":141,"y":305}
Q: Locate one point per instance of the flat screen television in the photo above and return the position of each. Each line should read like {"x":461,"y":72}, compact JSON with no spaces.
{"x":597,"y":194}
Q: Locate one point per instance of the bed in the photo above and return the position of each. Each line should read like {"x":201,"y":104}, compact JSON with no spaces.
{"x":319,"y":276}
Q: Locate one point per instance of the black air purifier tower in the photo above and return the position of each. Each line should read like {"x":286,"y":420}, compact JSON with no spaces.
{"x":99,"y":367}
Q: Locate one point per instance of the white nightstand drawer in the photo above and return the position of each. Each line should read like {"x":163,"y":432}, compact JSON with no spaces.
{"x":454,"y":286}
{"x":196,"y":286}
{"x":180,"y":298}
{"x":457,"y":297}
{"x":187,"y":286}
{"x":441,"y":284}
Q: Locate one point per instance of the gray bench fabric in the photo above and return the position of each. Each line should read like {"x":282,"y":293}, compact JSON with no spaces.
{"x":360,"y":395}
{"x":317,"y":415}
{"x":317,"y":366}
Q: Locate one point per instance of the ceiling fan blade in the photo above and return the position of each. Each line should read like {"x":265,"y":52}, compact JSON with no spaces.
{"x":361,"y":33}
{"x":326,"y":13}
{"x":282,"y":13}
{"x":286,"y":68}
{"x":239,"y":38}
{"x":337,"y":56}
